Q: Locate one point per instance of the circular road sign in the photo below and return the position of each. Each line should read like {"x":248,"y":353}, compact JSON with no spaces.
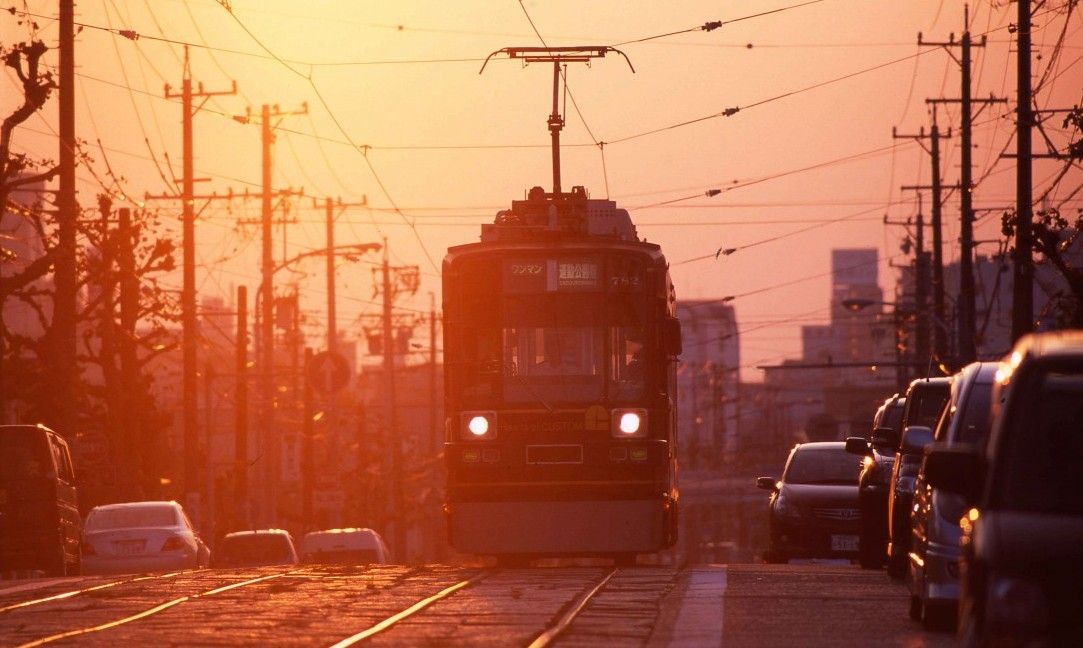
{"x":328,"y":372}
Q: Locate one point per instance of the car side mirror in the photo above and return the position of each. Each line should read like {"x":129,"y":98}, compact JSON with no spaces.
{"x":858,"y":446}
{"x":954,"y":468}
{"x":885,"y":436}
{"x":671,"y":334}
{"x":915,"y":438}
{"x":766,"y":483}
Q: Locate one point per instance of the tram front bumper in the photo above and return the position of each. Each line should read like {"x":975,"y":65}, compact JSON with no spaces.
{"x":558,"y":528}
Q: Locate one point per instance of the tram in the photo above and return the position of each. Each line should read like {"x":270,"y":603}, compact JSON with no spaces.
{"x":560,"y":348}
{"x":560,"y":345}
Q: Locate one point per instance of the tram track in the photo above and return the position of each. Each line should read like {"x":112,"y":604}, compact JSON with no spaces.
{"x":161,"y":607}
{"x":84,"y":590}
{"x":565,"y":621}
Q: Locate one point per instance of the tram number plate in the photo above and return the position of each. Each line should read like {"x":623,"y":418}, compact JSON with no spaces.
{"x":844,"y":542}
{"x":554,"y":454}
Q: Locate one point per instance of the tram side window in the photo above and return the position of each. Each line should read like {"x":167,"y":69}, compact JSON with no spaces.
{"x":628,"y":358}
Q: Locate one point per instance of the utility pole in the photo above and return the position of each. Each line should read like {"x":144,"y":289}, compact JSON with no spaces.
{"x":127,"y":344}
{"x":966,"y":306}
{"x":269,"y":446}
{"x":308,"y":434}
{"x":332,"y":319}
{"x":240,"y":397}
{"x":434,"y":429}
{"x":188,"y":289}
{"x":399,"y":514}
{"x":921,"y":285}
{"x":394,"y":280}
{"x":940,"y":332}
{"x":1023,"y":271}
{"x":62,"y":369}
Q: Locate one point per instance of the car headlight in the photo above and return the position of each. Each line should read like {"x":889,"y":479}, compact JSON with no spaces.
{"x":1017,"y":604}
{"x":477,"y":426}
{"x":628,"y":423}
{"x":785,"y":508}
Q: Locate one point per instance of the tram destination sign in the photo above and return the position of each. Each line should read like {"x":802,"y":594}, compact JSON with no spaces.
{"x":527,"y":275}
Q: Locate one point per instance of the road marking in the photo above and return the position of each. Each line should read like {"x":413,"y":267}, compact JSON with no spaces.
{"x":699,"y":621}
{"x":64,"y":595}
{"x":145,"y":613}
{"x":37,"y":584}
{"x":554,"y":631}
{"x":410,"y":611}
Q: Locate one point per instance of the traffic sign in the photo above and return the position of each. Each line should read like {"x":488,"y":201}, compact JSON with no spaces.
{"x":328,"y":372}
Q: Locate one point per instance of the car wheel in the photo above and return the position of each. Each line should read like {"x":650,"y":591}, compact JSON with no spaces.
{"x":896,"y":567}
{"x":867,"y":555}
{"x":939,"y":617}
{"x":915,"y":610}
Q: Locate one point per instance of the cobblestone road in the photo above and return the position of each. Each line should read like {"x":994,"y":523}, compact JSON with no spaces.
{"x":741,"y":605}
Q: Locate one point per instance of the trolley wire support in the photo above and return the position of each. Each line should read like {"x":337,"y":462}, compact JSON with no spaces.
{"x":558,"y":56}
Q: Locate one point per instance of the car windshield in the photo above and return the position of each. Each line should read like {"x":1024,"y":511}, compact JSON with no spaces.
{"x":133,"y":517}
{"x":344,"y":557}
{"x":268,"y":549}
{"x":1042,"y":445}
{"x":822,"y":466}
{"x":26,"y":455}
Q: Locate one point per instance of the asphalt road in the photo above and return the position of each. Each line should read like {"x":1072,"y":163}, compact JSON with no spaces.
{"x":739,"y":605}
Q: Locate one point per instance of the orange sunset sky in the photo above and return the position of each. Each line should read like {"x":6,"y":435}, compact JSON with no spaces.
{"x":398,"y":81}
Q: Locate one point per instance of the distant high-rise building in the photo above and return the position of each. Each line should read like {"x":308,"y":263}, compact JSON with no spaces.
{"x":707,"y":380}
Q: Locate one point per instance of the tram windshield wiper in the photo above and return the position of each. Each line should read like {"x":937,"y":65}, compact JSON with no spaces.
{"x":530,"y":388}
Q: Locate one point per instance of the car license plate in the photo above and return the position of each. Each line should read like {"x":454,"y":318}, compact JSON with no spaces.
{"x":129,"y":547}
{"x":844,"y":543}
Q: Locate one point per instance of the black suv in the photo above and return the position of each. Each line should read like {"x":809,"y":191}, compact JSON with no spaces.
{"x":925,"y":400}
{"x":875,"y":478}
{"x":40,"y":526}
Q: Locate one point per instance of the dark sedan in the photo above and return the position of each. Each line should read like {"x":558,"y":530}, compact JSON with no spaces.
{"x":814,"y":509}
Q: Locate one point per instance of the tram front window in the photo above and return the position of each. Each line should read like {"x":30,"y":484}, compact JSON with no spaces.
{"x":557,"y":363}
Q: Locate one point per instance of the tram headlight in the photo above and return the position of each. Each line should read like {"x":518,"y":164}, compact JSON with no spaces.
{"x":628,"y":423}
{"x":477,"y":426}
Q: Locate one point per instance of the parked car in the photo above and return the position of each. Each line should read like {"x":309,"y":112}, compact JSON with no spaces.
{"x":141,"y":537}
{"x":933,"y":573}
{"x":878,"y":453}
{"x":925,"y":399}
{"x":259,"y":548}
{"x":344,"y":547}
{"x":813,"y":509}
{"x":1022,"y":538}
{"x":40,"y":524}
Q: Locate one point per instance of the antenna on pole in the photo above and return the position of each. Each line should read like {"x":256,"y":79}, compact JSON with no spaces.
{"x":557,"y":56}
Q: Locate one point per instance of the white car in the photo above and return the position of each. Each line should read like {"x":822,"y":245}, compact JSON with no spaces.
{"x":344,"y":547}
{"x":260,"y":548}
{"x":138,"y":537}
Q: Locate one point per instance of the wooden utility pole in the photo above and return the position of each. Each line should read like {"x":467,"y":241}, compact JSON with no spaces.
{"x":940,"y":329}
{"x":308,"y":434}
{"x":967,"y":308}
{"x":188,"y":288}
{"x":61,"y":345}
{"x":1023,"y":271}
{"x":269,"y":446}
{"x":394,"y":280}
{"x":399,"y":513}
{"x":434,"y":427}
{"x":240,"y":399}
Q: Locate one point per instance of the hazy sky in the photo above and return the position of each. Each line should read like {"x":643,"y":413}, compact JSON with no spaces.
{"x":451,"y":146}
